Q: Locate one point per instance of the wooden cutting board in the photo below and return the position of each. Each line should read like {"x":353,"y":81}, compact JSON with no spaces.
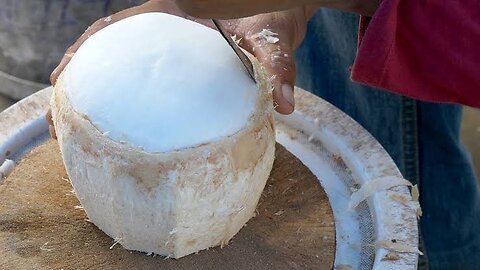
{"x":41,"y":227}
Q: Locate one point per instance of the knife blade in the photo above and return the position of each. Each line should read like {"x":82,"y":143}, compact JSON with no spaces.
{"x":243,"y":57}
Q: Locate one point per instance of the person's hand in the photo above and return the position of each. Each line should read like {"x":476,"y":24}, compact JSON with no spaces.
{"x":166,"y":6}
{"x":273,"y":38}
{"x":275,"y":55}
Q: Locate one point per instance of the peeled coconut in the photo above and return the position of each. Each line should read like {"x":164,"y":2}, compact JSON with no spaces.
{"x":167,"y":141}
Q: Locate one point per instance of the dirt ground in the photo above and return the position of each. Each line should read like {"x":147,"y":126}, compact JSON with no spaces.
{"x":293,"y":227}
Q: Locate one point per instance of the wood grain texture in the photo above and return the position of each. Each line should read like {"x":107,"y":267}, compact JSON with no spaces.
{"x":41,"y":229}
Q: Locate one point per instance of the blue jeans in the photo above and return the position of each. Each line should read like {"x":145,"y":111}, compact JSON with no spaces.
{"x":422,"y":138}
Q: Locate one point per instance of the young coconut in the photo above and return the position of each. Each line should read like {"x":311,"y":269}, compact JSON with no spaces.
{"x":167,"y":141}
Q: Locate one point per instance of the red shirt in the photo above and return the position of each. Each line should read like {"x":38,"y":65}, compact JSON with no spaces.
{"x":424,"y":49}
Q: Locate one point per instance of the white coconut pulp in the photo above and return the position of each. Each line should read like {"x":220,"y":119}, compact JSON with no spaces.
{"x":191,"y":86}
{"x":167,"y":142}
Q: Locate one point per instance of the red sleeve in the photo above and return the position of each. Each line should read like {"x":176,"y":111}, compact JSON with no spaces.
{"x":424,"y":49}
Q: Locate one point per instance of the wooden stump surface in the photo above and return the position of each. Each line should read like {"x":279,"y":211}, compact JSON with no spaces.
{"x":41,"y":227}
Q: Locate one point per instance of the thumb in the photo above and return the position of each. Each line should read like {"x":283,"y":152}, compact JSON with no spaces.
{"x":278,"y":61}
{"x":272,"y":38}
{"x":276,"y":56}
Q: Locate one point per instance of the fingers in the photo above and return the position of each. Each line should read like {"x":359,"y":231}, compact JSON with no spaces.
{"x":274,"y":52}
{"x":63,"y":63}
{"x":51,"y":130}
{"x":99,"y":24}
{"x":273,"y":49}
{"x":166,"y":6}
{"x":277,"y":60}
{"x":51,"y":127}
{"x":95,"y":27}
{"x":272,"y":38}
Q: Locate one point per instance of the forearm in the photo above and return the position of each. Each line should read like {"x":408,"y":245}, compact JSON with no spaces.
{"x":360,"y":7}
{"x":228,"y":9}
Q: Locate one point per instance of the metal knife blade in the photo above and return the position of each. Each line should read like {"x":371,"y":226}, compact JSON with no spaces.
{"x":243,"y":57}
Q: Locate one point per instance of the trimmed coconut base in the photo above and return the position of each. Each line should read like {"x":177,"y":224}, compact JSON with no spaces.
{"x":173,"y":203}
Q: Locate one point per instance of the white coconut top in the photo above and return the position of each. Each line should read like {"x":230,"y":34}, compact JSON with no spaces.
{"x":161,"y":83}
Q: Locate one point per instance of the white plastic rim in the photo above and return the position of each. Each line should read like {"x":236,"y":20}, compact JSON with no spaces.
{"x":314,"y":133}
